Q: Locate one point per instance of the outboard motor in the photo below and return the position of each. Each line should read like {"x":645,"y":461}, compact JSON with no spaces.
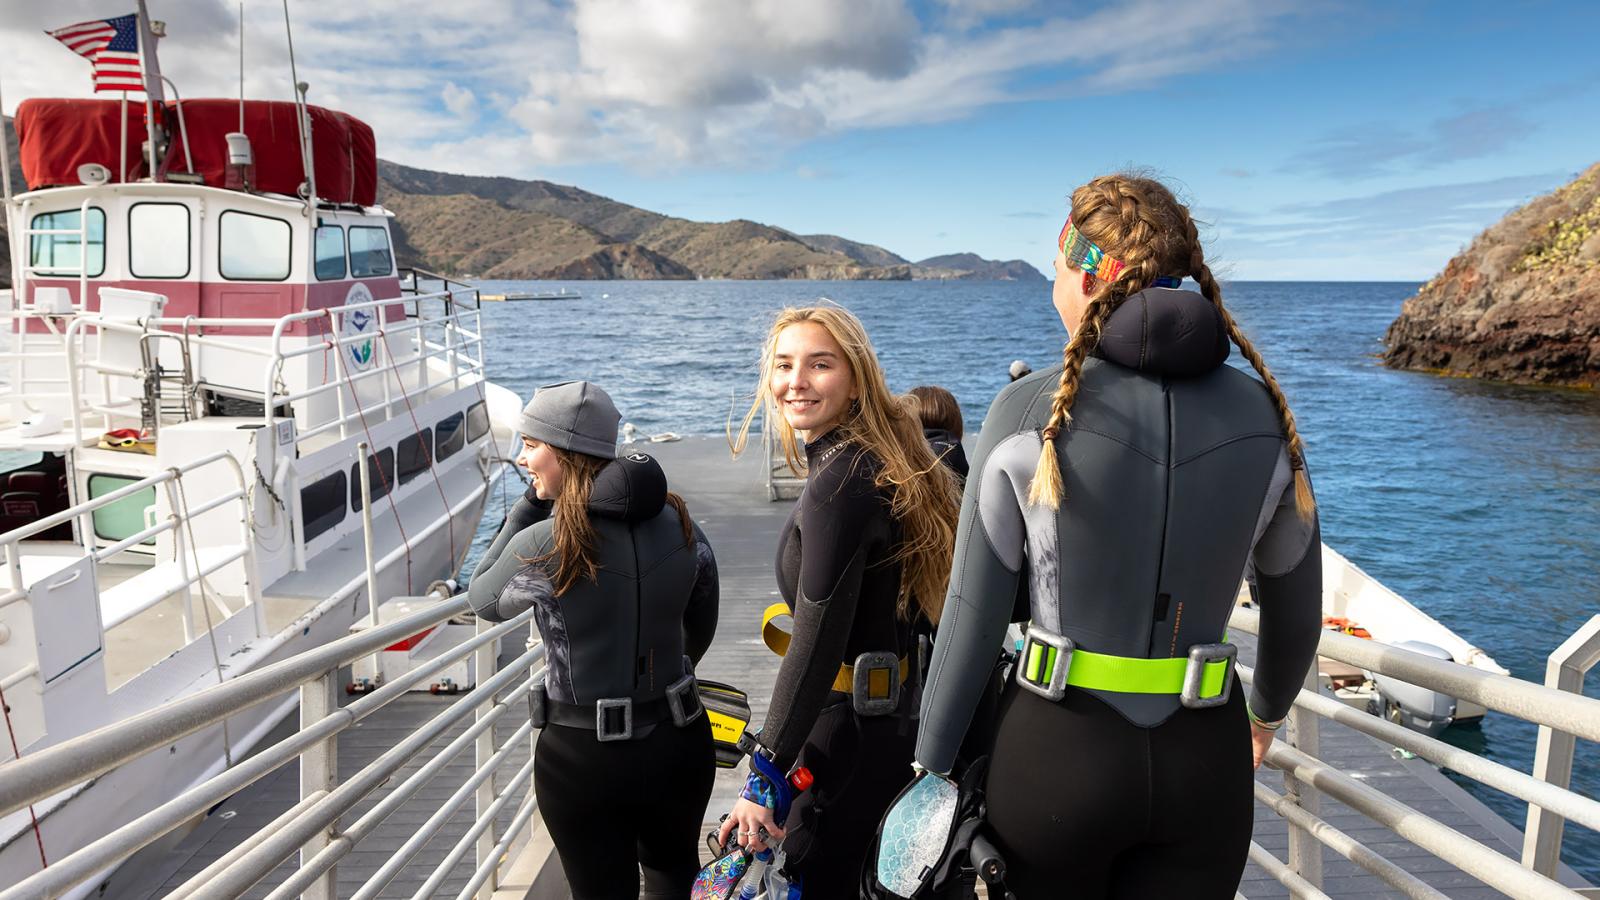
{"x":1417,"y":708}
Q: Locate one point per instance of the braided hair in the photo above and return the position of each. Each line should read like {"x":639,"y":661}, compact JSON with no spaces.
{"x":1138,"y":221}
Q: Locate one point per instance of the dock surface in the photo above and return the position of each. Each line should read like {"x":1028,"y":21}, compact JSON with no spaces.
{"x":729,"y":500}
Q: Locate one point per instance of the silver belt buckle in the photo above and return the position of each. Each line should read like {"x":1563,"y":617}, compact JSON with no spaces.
{"x":683,"y":698}
{"x":861,"y":696}
{"x":1194,"y":675}
{"x":602,"y":719}
{"x":1053,"y":685}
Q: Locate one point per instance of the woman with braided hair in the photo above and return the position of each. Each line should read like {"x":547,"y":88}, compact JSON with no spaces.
{"x":1127,"y":491}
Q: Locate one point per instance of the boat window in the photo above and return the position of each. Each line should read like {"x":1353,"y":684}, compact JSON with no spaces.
{"x":369,"y":252}
{"x":451,"y":436}
{"x":60,"y":251}
{"x":330,"y":253}
{"x":412,"y":455}
{"x":252,"y":247}
{"x":381,"y":469}
{"x":122,"y":518}
{"x":158,"y":240}
{"x":322,"y":504}
{"x":477,"y":421}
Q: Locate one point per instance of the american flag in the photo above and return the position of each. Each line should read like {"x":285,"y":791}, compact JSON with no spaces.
{"x":112,"y":45}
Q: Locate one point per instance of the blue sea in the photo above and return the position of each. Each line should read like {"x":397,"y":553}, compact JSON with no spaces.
{"x":1477,"y":502}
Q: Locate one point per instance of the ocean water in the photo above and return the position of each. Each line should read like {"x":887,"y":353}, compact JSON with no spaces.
{"x":1477,"y":502}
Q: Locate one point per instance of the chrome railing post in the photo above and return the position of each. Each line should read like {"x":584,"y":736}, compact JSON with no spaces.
{"x":1303,"y":732}
{"x":1552,"y":755}
{"x":486,"y":661}
{"x":319,"y":774}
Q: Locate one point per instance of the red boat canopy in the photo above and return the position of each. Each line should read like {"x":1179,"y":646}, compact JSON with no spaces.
{"x":58,"y":136}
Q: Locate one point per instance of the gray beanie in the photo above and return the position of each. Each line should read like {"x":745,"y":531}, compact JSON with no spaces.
{"x":573,"y":415}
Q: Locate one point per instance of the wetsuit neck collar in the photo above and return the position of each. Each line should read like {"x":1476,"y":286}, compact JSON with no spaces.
{"x":631,"y":487}
{"x":823,"y":447}
{"x":1165,"y":331}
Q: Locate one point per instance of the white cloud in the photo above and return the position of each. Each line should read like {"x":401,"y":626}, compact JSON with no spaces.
{"x":459,"y":100}
{"x":654,"y":84}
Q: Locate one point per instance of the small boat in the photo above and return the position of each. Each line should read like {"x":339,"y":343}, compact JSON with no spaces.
{"x":1357,"y":604}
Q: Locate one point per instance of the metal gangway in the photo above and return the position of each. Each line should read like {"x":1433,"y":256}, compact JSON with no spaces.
{"x":313,"y":837}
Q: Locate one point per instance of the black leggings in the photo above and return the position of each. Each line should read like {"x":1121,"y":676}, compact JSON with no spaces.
{"x":860,"y":764}
{"x":617,"y":806}
{"x":1084,"y":803}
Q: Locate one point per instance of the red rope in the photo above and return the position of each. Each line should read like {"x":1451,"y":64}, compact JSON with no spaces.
{"x":427,"y":452}
{"x":373,"y":452}
{"x":17,"y":752}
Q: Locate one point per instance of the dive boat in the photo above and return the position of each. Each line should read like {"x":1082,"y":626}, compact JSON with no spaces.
{"x":203,"y":334}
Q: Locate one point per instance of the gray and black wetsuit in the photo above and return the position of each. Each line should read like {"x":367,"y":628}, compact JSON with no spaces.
{"x":625,"y":635}
{"x":1177,"y":484}
{"x":837,"y":572}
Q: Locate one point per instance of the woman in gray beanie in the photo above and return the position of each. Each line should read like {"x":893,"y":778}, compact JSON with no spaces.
{"x":624,"y":591}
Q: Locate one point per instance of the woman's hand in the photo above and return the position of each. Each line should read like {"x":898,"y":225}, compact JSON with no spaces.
{"x":1260,"y":741}
{"x":749,"y":818}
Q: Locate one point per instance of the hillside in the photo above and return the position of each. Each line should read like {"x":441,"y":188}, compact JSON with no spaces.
{"x":972,"y":267}
{"x":642,"y":244}
{"x":461,"y":233}
{"x":17,"y":185}
{"x":1521,"y":303}
{"x":866,"y":254}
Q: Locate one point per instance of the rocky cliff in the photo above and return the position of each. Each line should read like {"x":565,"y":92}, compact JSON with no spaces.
{"x":1522,"y":303}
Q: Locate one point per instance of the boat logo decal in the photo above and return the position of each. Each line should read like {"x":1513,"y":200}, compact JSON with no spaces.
{"x":359,"y":322}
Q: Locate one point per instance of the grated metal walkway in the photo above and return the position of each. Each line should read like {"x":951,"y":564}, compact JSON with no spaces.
{"x":728,"y":499}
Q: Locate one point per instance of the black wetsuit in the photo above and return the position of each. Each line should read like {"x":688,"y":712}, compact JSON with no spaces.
{"x":947,"y":447}
{"x":615,"y":805}
{"x":836,"y":572}
{"x":1177,"y":483}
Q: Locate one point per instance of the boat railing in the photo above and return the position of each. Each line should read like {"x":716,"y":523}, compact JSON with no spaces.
{"x":191,"y":564}
{"x":1562,"y":713}
{"x":437,"y":343}
{"x":24,"y":234}
{"x":445,"y":326}
{"x":311,"y":827}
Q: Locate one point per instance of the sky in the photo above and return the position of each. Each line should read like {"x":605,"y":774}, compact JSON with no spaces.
{"x":1313,"y":140}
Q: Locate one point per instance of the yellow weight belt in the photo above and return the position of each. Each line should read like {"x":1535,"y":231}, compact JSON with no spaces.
{"x":777,"y":640}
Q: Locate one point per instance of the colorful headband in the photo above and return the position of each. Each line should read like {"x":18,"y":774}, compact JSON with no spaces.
{"x":1084,"y":254}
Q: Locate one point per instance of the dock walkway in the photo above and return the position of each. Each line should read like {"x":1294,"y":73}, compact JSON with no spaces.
{"x":729,"y":500}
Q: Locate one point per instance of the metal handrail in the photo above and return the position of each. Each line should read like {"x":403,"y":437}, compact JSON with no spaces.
{"x":39,"y":775}
{"x":1555,"y":710}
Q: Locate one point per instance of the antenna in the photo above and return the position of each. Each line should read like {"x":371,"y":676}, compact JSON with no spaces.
{"x":241,"y":66}
{"x":300,"y":89}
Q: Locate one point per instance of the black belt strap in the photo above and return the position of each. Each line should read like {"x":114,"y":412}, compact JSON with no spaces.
{"x":583,"y":715}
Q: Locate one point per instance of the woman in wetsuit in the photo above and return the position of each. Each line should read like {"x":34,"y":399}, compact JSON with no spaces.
{"x":1127,"y":491}
{"x":861,"y":562}
{"x":624,"y":588}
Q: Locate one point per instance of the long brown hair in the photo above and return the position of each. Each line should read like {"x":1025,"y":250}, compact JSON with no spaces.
{"x":924,"y":501}
{"x":574,"y":554}
{"x":1138,"y":221}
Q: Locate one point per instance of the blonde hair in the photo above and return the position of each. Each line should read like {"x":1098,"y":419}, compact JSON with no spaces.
{"x":574,"y":553}
{"x":924,"y":498}
{"x":1137,"y":220}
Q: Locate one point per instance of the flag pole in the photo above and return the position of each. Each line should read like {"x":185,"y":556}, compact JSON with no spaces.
{"x":122,"y":146}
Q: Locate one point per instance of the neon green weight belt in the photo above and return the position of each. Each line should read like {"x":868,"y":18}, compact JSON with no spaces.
{"x":1123,"y":674}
